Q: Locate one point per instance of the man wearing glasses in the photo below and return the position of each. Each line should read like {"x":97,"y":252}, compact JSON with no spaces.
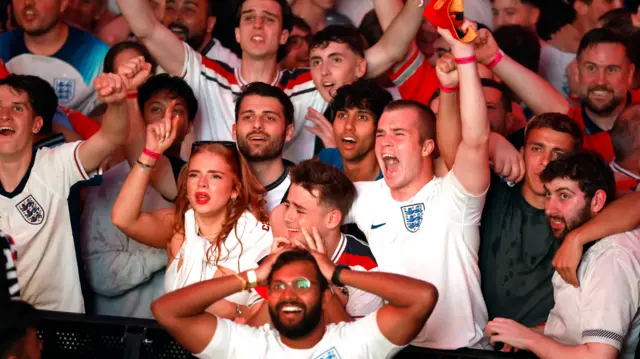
{"x":297,"y":45}
{"x":298,"y":283}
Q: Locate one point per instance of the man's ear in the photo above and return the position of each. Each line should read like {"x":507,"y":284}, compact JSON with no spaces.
{"x":632,"y":72}
{"x":288,"y":135}
{"x":333,"y":219}
{"x":361,"y":68}
{"x":428,"y":147}
{"x":534,"y":15}
{"x":580,"y":7}
{"x":284,"y":37}
{"x":38,"y":122}
{"x":237,"y":33}
{"x":211,"y":23}
{"x":233,"y":132}
{"x":598,"y":201}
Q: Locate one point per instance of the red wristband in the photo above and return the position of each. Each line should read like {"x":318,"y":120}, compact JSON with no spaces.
{"x":132,"y":95}
{"x":465,"y":60}
{"x":449,"y":89}
{"x":151,"y":154}
{"x":495,"y":60}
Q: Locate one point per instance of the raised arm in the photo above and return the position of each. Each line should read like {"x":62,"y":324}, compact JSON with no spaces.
{"x":471,"y":166}
{"x":155,"y":228}
{"x":620,"y":216}
{"x":112,"y":90}
{"x":163,"y":45}
{"x":448,"y":132}
{"x":397,"y":38}
{"x":537,"y":93}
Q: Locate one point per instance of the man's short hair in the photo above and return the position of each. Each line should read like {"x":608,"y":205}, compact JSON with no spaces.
{"x":298,"y":255}
{"x":599,"y":36}
{"x":175,"y":85}
{"x":370,"y":28}
{"x":212,"y":7}
{"x":618,"y":21}
{"x":42,"y":97}
{"x":363,"y":94}
{"x":558,"y":122}
{"x":340,"y":34}
{"x":553,"y":18}
{"x":505,"y":98}
{"x":625,"y":134}
{"x":287,"y":14}
{"x":16,"y":318}
{"x":521,"y":44}
{"x":534,"y":3}
{"x":587,"y":168}
{"x":263,"y":90}
{"x":426,"y":117}
{"x":299,"y":22}
{"x":334,"y":188}
{"x":115,"y":50}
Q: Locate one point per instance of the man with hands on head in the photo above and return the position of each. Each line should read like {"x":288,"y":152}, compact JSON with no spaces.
{"x":298,"y":283}
{"x":35,"y":186}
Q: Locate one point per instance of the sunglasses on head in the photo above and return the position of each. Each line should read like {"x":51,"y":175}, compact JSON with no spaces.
{"x":228,"y":144}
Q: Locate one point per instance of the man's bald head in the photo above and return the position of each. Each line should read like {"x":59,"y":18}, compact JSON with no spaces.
{"x":625,"y":135}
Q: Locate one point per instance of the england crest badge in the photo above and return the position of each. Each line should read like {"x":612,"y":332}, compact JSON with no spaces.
{"x":65,"y":89}
{"x":330,"y":354}
{"x":31,"y":210}
{"x":413,"y":215}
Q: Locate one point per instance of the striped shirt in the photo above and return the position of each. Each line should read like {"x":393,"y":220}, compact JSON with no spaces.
{"x":9,"y":278}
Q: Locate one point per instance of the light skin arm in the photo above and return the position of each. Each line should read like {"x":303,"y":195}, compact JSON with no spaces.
{"x":471,"y":166}
{"x":620,"y":216}
{"x":525,"y":83}
{"x":397,"y":39}
{"x":163,"y":45}
{"x":448,"y":131}
{"x":153,"y":228}
{"x":518,"y":336}
{"x":112,"y":90}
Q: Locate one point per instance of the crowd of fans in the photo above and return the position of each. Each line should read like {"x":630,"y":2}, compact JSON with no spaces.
{"x":324,"y":178}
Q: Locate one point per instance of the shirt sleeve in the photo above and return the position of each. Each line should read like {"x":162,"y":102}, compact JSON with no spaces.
{"x":191,"y":72}
{"x":609,"y":298}
{"x":360,"y":212}
{"x":459,"y":205}
{"x":62,"y":167}
{"x":416,"y":78}
{"x":362,"y":303}
{"x":232,"y":340}
{"x":374,"y":344}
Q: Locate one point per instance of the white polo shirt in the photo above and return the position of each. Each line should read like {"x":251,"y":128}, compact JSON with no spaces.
{"x":434,"y":237}
{"x":216,"y":85}
{"x":37,"y":216}
{"x":604,"y":309}
{"x":359,"y":339}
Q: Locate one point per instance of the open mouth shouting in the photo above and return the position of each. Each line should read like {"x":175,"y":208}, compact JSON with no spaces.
{"x":7,"y":131}
{"x":348,"y":142}
{"x":202,"y":198}
{"x":391,"y":162}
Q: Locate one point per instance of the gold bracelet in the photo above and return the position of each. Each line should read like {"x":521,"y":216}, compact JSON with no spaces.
{"x":244,"y":282}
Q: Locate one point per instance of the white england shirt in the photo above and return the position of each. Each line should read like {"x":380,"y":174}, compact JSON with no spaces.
{"x":216,"y":85}
{"x":359,"y":339}
{"x":434,"y":237}
{"x":37,"y":215}
{"x":604,"y":309}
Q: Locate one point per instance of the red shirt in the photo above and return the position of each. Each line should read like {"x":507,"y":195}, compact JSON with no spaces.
{"x":416,"y":78}
{"x":3,"y":70}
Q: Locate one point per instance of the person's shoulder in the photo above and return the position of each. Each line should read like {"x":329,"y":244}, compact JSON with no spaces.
{"x":626,"y":242}
{"x":84,"y":38}
{"x":371,"y":187}
{"x":290,"y":79}
{"x":336,"y":18}
{"x":331,"y":156}
{"x":358,"y":254}
{"x":10,"y":42}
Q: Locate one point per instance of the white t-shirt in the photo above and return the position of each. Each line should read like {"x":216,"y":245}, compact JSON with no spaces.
{"x":359,"y":339}
{"x":434,"y":237}
{"x":217,"y":85}
{"x":245,"y":245}
{"x":37,"y":216}
{"x":553,"y":66}
{"x":604,"y":309}
{"x":276,"y":192}
{"x":214,"y":50}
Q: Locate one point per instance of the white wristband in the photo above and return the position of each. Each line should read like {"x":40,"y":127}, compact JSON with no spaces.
{"x":253,"y":279}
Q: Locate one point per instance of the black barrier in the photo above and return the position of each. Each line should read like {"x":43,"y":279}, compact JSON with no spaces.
{"x":75,"y":336}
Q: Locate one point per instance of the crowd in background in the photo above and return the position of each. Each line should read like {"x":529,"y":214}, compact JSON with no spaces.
{"x":315,"y":174}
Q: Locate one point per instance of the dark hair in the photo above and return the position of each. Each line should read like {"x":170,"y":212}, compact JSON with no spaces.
{"x":115,"y":50}
{"x":16,"y":317}
{"x":602,"y":36}
{"x":297,"y":21}
{"x":434,"y":96}
{"x":370,"y":28}
{"x":619,"y":21}
{"x":42,"y":97}
{"x":558,"y":122}
{"x":298,"y":255}
{"x":521,"y":44}
{"x":362,"y":94}
{"x":587,"y":168}
{"x":427,"y":119}
{"x":625,"y":134}
{"x":505,"y":99}
{"x":175,"y":85}
{"x":287,"y":14}
{"x":553,"y":17}
{"x":212,"y":8}
{"x":263,"y":90}
{"x":335,"y":189}
{"x":341,"y":34}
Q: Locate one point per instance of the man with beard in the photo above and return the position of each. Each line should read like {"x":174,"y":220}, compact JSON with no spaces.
{"x":264,"y":122}
{"x":44,"y":46}
{"x":192,"y":21}
{"x":358,"y":108}
{"x":600,"y":319}
{"x":605,"y":77}
{"x":298,"y":290}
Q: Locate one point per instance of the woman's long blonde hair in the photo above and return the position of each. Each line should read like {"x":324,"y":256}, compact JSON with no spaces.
{"x":250,"y":196}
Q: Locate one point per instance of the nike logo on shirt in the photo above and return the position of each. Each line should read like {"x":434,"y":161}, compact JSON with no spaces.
{"x":376,"y":226}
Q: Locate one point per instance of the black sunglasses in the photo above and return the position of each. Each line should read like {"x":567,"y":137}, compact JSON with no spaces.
{"x":228,"y":144}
